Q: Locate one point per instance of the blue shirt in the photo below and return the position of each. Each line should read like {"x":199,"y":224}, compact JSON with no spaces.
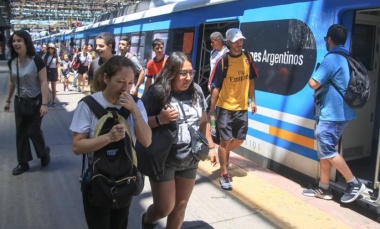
{"x":334,"y":67}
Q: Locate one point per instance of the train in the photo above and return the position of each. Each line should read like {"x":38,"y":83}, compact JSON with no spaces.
{"x":286,"y":40}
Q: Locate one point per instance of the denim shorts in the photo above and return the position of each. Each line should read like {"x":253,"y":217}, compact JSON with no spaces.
{"x":327,"y":134}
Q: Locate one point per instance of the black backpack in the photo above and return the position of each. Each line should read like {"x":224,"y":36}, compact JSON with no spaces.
{"x":112,"y":177}
{"x":358,"y":89}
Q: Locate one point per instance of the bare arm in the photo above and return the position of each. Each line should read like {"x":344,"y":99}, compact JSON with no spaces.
{"x":11,"y":89}
{"x":44,"y":91}
{"x":82,"y":144}
{"x":140,"y":81}
{"x":252,"y":96}
{"x":314,"y":84}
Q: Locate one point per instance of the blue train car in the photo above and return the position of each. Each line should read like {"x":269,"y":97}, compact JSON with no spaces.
{"x":286,"y":40}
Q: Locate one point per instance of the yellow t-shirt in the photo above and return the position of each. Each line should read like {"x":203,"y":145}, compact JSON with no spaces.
{"x":234,"y":93}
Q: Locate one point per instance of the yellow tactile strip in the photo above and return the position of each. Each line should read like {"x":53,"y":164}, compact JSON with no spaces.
{"x":279,"y":206}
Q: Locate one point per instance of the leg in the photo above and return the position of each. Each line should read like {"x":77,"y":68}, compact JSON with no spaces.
{"x":96,"y":218}
{"x":35,"y":134}
{"x":80,"y":79}
{"x":325,"y":166}
{"x":119,"y":217}
{"x":163,"y":200}
{"x":24,"y":154}
{"x":223,"y":153}
{"x":54,"y":90}
{"x":340,"y":164}
{"x":184,"y":188}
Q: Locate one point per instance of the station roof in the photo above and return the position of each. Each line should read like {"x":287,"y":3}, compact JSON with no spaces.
{"x":40,"y":14}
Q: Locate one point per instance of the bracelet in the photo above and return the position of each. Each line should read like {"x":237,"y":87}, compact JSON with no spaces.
{"x":8,"y":101}
{"x":211,"y":148}
{"x":158,"y":121}
{"x":135,"y":119}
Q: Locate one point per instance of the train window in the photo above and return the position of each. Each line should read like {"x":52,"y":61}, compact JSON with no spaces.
{"x":363,"y":41}
{"x":182,"y":40}
{"x":284,"y":52}
{"x":138,"y":45}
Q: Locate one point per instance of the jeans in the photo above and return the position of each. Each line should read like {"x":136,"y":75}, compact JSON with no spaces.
{"x":327,"y":134}
{"x":74,"y":83}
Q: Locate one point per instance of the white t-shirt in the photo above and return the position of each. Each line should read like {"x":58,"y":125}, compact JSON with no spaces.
{"x":215,"y":55}
{"x":84,"y":120}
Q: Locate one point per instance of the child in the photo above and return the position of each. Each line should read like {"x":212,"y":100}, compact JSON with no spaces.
{"x":65,"y":67}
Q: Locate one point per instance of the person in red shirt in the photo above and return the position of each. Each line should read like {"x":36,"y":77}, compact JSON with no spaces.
{"x":154,"y":66}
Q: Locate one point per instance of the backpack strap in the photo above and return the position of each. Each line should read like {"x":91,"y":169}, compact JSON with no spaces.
{"x":346,"y":56}
{"x":225,"y":62}
{"x":94,"y":106}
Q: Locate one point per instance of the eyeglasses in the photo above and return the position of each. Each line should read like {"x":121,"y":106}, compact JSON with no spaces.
{"x":184,"y":74}
{"x":325,"y":38}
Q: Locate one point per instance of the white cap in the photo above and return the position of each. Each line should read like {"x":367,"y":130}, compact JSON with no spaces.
{"x":234,"y":35}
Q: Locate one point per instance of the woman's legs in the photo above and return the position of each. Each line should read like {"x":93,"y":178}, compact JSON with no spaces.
{"x":53,"y":92}
{"x":80,"y":82}
{"x":184,"y":188}
{"x":163,"y":201}
{"x":170,"y":199}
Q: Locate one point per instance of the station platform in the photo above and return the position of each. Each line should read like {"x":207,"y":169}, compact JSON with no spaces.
{"x":50,"y":197}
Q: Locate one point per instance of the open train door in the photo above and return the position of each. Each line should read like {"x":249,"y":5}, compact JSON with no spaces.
{"x":204,"y":43}
{"x":361,"y":141}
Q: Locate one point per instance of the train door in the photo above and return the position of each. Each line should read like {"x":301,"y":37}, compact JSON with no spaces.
{"x":360,"y":140}
{"x":203,"y":58}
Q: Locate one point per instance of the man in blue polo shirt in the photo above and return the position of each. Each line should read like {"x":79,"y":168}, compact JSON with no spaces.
{"x":333,"y":115}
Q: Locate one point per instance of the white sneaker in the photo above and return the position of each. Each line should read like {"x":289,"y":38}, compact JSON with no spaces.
{"x":225,"y":182}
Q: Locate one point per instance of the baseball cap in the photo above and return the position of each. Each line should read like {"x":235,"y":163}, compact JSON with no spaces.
{"x":234,"y":35}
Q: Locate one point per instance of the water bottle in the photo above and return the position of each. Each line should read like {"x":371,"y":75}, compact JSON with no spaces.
{"x":212,"y":124}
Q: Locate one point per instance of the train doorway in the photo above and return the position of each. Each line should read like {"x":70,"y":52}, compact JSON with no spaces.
{"x":203,"y":58}
{"x":361,"y":141}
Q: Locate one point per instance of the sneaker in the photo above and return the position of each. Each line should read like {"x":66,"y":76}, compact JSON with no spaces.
{"x":45,"y":159}
{"x":319,"y":192}
{"x":225,"y":181}
{"x":352,"y":192}
{"x":20,"y":168}
{"x":53,"y":104}
{"x":146,"y":225}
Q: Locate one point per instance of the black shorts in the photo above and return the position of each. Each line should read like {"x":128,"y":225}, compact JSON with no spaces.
{"x":82,"y":69}
{"x":52,"y":74}
{"x":232,"y":124}
{"x":171,"y":173}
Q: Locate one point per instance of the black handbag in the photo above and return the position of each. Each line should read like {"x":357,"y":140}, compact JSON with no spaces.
{"x":152,"y":158}
{"x":26,"y":106}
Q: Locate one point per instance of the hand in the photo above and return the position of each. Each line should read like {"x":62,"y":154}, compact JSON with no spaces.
{"x":213,"y":156}
{"x":7,"y":107}
{"x":117,"y":133}
{"x":134,"y":91}
{"x":43,"y":110}
{"x":126,"y":100}
{"x":253,"y":108}
{"x":168,"y":115}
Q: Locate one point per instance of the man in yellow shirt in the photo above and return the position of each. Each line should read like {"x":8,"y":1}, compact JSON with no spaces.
{"x":230,"y":94}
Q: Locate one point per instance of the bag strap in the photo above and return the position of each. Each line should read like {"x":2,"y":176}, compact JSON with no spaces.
{"x":99,"y":111}
{"x":52,"y":57}
{"x":333,"y":84}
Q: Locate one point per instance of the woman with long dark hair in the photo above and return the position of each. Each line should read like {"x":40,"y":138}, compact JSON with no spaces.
{"x":28,"y":78}
{"x":174,"y":87}
{"x":53,"y":69}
